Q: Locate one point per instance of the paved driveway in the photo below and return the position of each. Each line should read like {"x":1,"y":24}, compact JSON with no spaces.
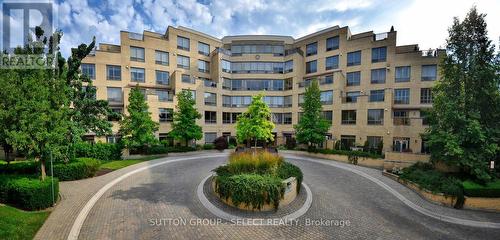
{"x":161,"y":203}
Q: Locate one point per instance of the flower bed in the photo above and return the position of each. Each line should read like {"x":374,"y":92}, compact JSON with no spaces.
{"x":254,"y":180}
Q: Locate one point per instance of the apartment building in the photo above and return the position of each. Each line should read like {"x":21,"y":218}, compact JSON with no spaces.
{"x":371,"y":89}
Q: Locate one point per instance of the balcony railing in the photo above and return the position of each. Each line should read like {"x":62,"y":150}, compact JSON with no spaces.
{"x":380,"y":36}
{"x":401,"y":121}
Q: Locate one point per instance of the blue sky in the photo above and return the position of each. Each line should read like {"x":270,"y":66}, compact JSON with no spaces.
{"x":423,"y":21}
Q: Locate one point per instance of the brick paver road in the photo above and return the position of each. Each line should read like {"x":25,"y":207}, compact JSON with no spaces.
{"x":161,"y":203}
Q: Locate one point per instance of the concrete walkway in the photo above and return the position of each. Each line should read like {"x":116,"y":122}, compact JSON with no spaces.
{"x":169,"y":190}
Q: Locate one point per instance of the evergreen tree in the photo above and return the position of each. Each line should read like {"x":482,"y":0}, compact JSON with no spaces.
{"x":184,"y":127}
{"x":137,"y":128}
{"x":255,"y":124}
{"x":312,"y":127}
{"x":464,"y":129}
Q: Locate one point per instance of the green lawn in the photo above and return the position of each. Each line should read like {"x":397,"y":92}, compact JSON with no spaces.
{"x":117,"y":164}
{"x":19,"y":224}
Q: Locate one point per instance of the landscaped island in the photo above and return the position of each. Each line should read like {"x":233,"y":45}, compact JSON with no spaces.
{"x":257,"y":181}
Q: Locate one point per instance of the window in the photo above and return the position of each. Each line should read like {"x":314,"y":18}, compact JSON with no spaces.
{"x":401,"y":117}
{"x":203,"y":48}
{"x":327,"y":115}
{"x":277,"y":118}
{"x":348,"y":116}
{"x":379,"y":54}
{"x":429,"y":72}
{"x":182,"y":43}
{"x":424,"y":115}
{"x":210,"y":99}
{"x":162,"y":77}
{"x":347,"y":141}
{"x":377,"y":95}
{"x":187,"y":78}
{"x":88,"y":70}
{"x":182,"y":62}
{"x":352,"y":97}
{"x":276,"y":50}
{"x":113,"y":72}
{"x":378,"y":75}
{"x":236,"y":101}
{"x":226,"y":66}
{"x":287,"y":101}
{"x":161,"y":57}
{"x":276,"y":101}
{"x":257,"y":67}
{"x":401,"y":144}
{"x":403,"y":74}
{"x":301,"y":99}
{"x":230,"y":117}
{"x":425,"y":147}
{"x":137,"y":54}
{"x":402,"y":96}
{"x":312,"y":49}
{"x":210,"y":137}
{"x":375,"y":116}
{"x":326,"y":97}
{"x":287,"y":118}
{"x":353,"y":78}
{"x":209,"y":83}
{"x":115,"y":95}
{"x":164,"y":95}
{"x":425,"y":96}
{"x":288,"y":66}
{"x":374,"y":142}
{"x":166,"y":114}
{"x":118,"y":111}
{"x":137,"y":75}
{"x":327,"y":80}
{"x":112,"y":139}
{"x":311,"y":66}
{"x":210,"y":117}
{"x":332,"y":43}
{"x":354,"y":58}
{"x":332,"y":62}
{"x":203,"y":66}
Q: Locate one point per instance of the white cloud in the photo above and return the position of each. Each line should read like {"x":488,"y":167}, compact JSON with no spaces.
{"x":341,"y":5}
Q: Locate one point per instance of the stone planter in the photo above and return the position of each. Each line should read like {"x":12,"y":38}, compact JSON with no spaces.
{"x":288,"y":197}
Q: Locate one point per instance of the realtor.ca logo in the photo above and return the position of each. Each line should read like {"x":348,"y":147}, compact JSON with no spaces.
{"x":19,"y":19}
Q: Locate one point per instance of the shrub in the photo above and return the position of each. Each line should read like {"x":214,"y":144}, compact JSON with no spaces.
{"x":157,"y":149}
{"x":286,"y":170}
{"x":261,"y":162}
{"x":346,"y":152}
{"x":208,"y":146}
{"x":102,"y":151}
{"x":78,"y":169}
{"x":27,"y":167}
{"x":232,"y":141}
{"x":221,"y":143}
{"x":180,"y":149}
{"x":251,"y":189}
{"x":473,"y":189}
{"x":28,"y":193}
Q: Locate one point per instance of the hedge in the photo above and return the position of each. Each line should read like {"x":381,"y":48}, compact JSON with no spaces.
{"x":287,"y":170}
{"x":251,"y":189}
{"x":28,"y":193}
{"x":473,"y":189}
{"x":180,"y":149}
{"x":157,"y":149}
{"x":27,"y":167}
{"x":346,"y":152}
{"x":79,"y":169}
{"x":102,"y":151}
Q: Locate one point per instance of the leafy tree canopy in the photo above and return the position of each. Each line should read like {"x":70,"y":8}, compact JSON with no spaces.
{"x":184,"y":127}
{"x":255,"y":124}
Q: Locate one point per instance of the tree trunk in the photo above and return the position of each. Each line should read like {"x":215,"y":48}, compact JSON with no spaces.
{"x":42,"y":168}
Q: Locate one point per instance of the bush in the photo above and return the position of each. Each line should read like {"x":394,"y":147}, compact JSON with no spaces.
{"x":175,"y":149}
{"x":346,"y":152}
{"x":428,"y":178}
{"x":261,"y":162}
{"x":251,"y":189}
{"x":78,"y":169}
{"x":221,"y":143}
{"x":232,"y":141}
{"x":157,"y":149}
{"x":473,"y":189}
{"x":27,"y":167}
{"x":28,"y":193}
{"x":101,"y":151}
{"x":286,"y":170}
{"x":208,"y":146}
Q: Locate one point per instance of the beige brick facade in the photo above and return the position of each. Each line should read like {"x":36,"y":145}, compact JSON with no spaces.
{"x":401,"y":118}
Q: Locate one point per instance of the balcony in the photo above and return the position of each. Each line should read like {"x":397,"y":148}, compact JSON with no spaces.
{"x":401,"y":121}
{"x":208,"y":83}
{"x":380,"y":36}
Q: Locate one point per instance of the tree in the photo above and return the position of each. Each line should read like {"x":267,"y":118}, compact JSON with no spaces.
{"x":464,"y":129}
{"x":137,"y":128}
{"x":312,"y":127}
{"x":184,"y":127}
{"x":255,"y":124}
